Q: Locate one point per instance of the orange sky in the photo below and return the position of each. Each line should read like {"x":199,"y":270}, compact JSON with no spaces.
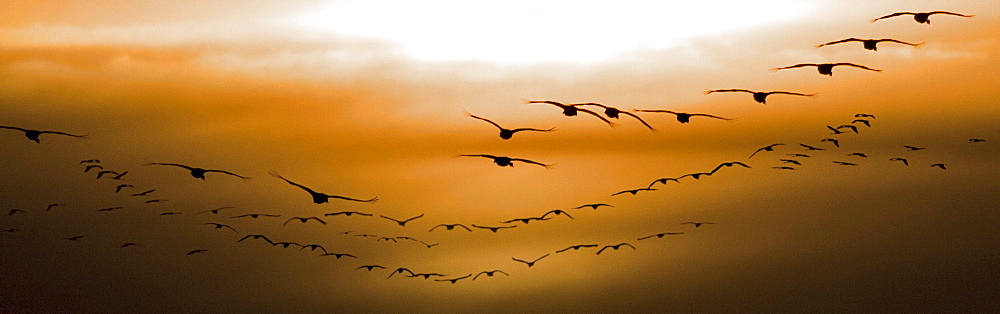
{"x":243,"y":86}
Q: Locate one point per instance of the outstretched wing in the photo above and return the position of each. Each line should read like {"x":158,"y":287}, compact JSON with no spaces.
{"x":949,"y":13}
{"x":354,"y":199}
{"x":63,"y":133}
{"x":839,"y":42}
{"x":484,"y":119}
{"x":169,"y":164}
{"x":790,"y":93}
{"x":901,"y":42}
{"x":531,"y":129}
{"x":729,"y":90}
{"x":13,"y":128}
{"x":892,"y":15}
{"x":796,"y":66}
{"x":554,"y":103}
{"x":612,"y":124}
{"x":476,"y":155}
{"x":656,"y":111}
{"x":229,"y":173}
{"x":710,"y":116}
{"x":532,"y":162}
{"x":277,"y":175}
{"x":640,"y":120}
{"x":857,"y":66}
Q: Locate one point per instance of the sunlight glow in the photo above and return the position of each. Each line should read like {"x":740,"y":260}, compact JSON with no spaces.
{"x":522,"y":31}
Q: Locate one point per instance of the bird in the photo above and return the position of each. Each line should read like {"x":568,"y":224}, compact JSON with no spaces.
{"x":571,"y":110}
{"x":593,"y":206}
{"x":171,"y":213}
{"x":74,"y":238}
{"x":338,"y":255}
{"x":790,"y":161}
{"x":920,"y":17}
{"x":89,"y":161}
{"x":858,"y":154}
{"x":387,"y":239}
{"x":347,"y":213}
{"x":863,"y":121}
{"x":508,"y":133}
{"x":576,"y":247}
{"x":427,"y":275}
{"x":682,"y":117}
{"x":313,"y":247}
{"x":429,"y":245}
{"x":450,"y":227}
{"x":119,"y":176}
{"x":198,"y":173}
{"x":834,"y":141}
{"x":122,"y":186}
{"x":662,"y":181}
{"x":92,"y":167}
{"x":503,"y":161}
{"x":402,"y":223}
{"x":320,"y":198}
{"x":799,"y":155}
{"x":768,"y":148}
{"x":215,"y":211}
{"x":304,"y":220}
{"x":614,"y":247}
{"x":844,"y":163}
{"x":370,"y":267}
{"x":939,"y":166}
{"x":102,"y":173}
{"x":407,"y":238}
{"x":489,"y":273}
{"x":146,"y":193}
{"x":34,"y":134}
{"x":727,"y":164}
{"x":913,"y":148}
{"x":760,"y":97}
{"x":494,"y":229}
{"x":614,"y":113}
{"x":525,"y":220}
{"x":811,"y":147}
{"x":256,"y":236}
{"x":696,"y":175}
{"x":192,"y":252}
{"x":10,"y":230}
{"x":154,"y":201}
{"x":400,"y":271}
{"x":826,"y":68}
{"x":53,"y":206}
{"x":285,"y":245}
{"x":834,"y":130}
{"x":220,"y":226}
{"x":903,"y":160}
{"x":697,"y":224}
{"x":557,"y":212}
{"x":869,"y":44}
{"x":976,"y":140}
{"x":128,"y":244}
{"x":255,"y":216}
{"x":633,"y":191}
{"x":864,"y":115}
{"x":109,"y":209}
{"x":453,"y":280}
{"x":531,"y":263}
{"x":784,"y":168}
{"x":660,"y":235}
{"x":848,"y":126}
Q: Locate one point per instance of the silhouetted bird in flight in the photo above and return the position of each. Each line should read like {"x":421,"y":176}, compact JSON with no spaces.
{"x":74,"y":238}
{"x":682,"y":117}
{"x":122,"y":186}
{"x":215,"y":211}
{"x":489,"y":273}
{"x":128,"y":244}
{"x":799,"y":155}
{"x":768,"y":148}
{"x":614,"y":113}
{"x":571,"y":110}
{"x":633,"y":191}
{"x":303,"y":220}
{"x":429,"y":245}
{"x":903,"y":160}
{"x":53,"y":206}
{"x":939,"y":166}
{"x":92,"y":167}
{"x":660,"y":235}
{"x":109,"y":209}
{"x":858,"y":154}
{"x":285,"y":245}
{"x":844,"y":163}
{"x":663,"y":181}
{"x":146,"y":193}
{"x":826,"y":68}
{"x":347,"y":213}
{"x":531,"y":263}
{"x":593,"y":206}
{"x":869,"y":44}
{"x":760,"y":97}
{"x":848,"y":126}
{"x":119,"y":176}
{"x":102,"y":173}
{"x":192,"y":252}
{"x":171,"y":213}
{"x":450,"y":227}
{"x":863,"y":121}
{"x":387,"y":239}
{"x":697,"y":224}
{"x":320,"y":198}
{"x":790,"y":161}
{"x":834,"y":141}
{"x":614,"y":247}
{"x":338,"y":255}
{"x":34,"y":134}
{"x":370,"y":267}
{"x":696,"y":175}
{"x":525,"y":220}
{"x":256,"y":236}
{"x":402,"y":223}
{"x":154,"y":201}
{"x":426,"y":275}
{"x":508,"y":133}
{"x":197,"y":172}
{"x":220,"y":226}
{"x":577,"y":247}
{"x":557,"y":212}
{"x":920,"y":17}
{"x":400,"y":271}
{"x":913,"y":148}
{"x":453,"y":280}
{"x":728,"y":164}
{"x":834,"y":130}
{"x":976,"y":140}
{"x":494,"y":229}
{"x":503,"y":161}
{"x":89,"y":161}
{"x":255,"y":216}
{"x":864,"y":115}
{"x":784,"y":168}
{"x":313,"y":247}
{"x":807,"y":147}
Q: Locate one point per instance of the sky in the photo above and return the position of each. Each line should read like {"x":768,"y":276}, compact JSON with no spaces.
{"x":368,"y":99}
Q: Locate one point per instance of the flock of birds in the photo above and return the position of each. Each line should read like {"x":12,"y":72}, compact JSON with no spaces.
{"x":791,"y":160}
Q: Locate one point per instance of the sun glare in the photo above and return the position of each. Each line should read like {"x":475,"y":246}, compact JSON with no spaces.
{"x":535,"y":31}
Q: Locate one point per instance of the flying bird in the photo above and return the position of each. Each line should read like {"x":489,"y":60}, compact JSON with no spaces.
{"x":614,"y":113}
{"x":760,"y":97}
{"x":109,"y":209}
{"x":728,"y":164}
{"x":976,"y":140}
{"x":503,"y":161}
{"x":508,"y":133}
{"x":863,"y":121}
{"x":557,"y":212}
{"x":313,"y":247}
{"x":92,"y":167}
{"x":844,"y":163}
{"x":215,"y":211}
{"x":154,"y":201}
{"x":453,"y":280}
{"x":338,"y":255}
{"x":811,"y":147}
{"x":102,"y":173}
{"x":768,"y":148}
{"x":614,"y":247}
{"x":848,"y":126}
{"x":633,"y":191}
{"x":913,"y":148}
{"x":662,"y":181}
{"x":347,"y":213}
{"x":450,"y":227}
{"x":531,"y":263}
{"x":525,"y":220}
{"x":370,"y":267}
{"x":89,"y":161}
{"x":697,"y":224}
{"x":429,"y":245}
{"x":220,"y":226}
{"x":74,"y":238}
{"x":576,"y":247}
{"x":799,"y":155}
{"x":682,"y":117}
{"x":784,"y":168}
{"x":593,"y":206}
{"x":494,"y":229}
{"x":660,"y":235}
{"x":869,"y":44}
{"x":53,"y":206}
{"x":696,"y":175}
{"x":427,"y":275}
{"x":791,"y":161}
{"x":255,"y":216}
{"x":256,"y":236}
{"x":864,"y":115}
{"x":128,"y":244}
{"x":320,"y":198}
{"x":197,"y":172}
{"x":304,"y":220}
{"x":122,"y":186}
{"x":402,"y":223}
{"x":285,"y":245}
{"x":387,"y":239}
{"x":119,"y":176}
{"x":939,"y":166}
{"x":858,"y":154}
{"x":489,"y":273}
{"x":192,"y":252}
{"x":400,"y":271}
{"x":920,"y":17}
{"x":903,"y":160}
{"x":572,"y":110}
{"x":826,"y":68}
{"x":146,"y":193}
{"x":834,"y":130}
{"x":171,"y":213}
{"x":34,"y":134}
{"x":834,"y":141}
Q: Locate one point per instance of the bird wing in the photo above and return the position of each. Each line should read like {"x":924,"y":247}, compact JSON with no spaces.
{"x":277,"y":175}
{"x":647,"y":237}
{"x":463,"y":226}
{"x":857,"y":66}
{"x":949,"y":13}
{"x":540,"y":258}
{"x":317,"y":219}
{"x":796,"y":66}
{"x":390,"y":218}
{"x":892,"y":15}
{"x":14,"y":128}
{"x":554,"y":103}
{"x":522,"y":261}
{"x":708,"y":115}
{"x":590,"y":104}
{"x":612,"y":124}
{"x":477,"y":155}
{"x":656,"y":110}
{"x":485,"y":119}
{"x":63,"y":133}
{"x":169,"y":164}
{"x":418,"y":216}
{"x":354,"y":199}
{"x":629,"y":245}
{"x":532,"y":162}
{"x":640,"y":120}
{"x":901,"y":42}
{"x":229,"y":173}
{"x":531,"y":129}
{"x":435,"y":227}
{"x":602,"y":249}
{"x":839,"y":42}
{"x":791,"y":93}
{"x":729,"y":90}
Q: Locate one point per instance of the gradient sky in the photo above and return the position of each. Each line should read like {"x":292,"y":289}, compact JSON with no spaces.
{"x":370,"y":98}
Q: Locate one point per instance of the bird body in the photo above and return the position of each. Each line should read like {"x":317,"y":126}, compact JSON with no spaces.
{"x":494,"y":229}
{"x":304,"y":220}
{"x":450,"y":227}
{"x":920,"y":17}
{"x":660,"y":235}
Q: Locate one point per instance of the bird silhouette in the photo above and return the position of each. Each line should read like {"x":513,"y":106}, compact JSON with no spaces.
{"x":427,"y":275}
{"x":429,"y":245}
{"x":53,"y":206}
{"x":571,"y":110}
{"x":593,"y":206}
{"x":834,"y":141}
{"x":146,"y":193}
{"x":807,"y":147}
{"x":503,"y":161}
{"x":128,"y":244}
{"x":400,"y":271}
{"x":102,"y":173}
{"x":255,"y":216}
{"x":826,"y":68}
{"x":864,"y":115}
{"x":490,"y":273}
{"x":869,"y":44}
{"x":387,"y":239}
{"x":790,"y":161}
{"x":524,"y":220}
{"x":696,"y":175}
{"x":633,"y":191}
{"x":313,"y":247}
{"x":848,"y":126}
{"x":576,"y":247}
{"x":508,"y":133}
{"x":198,"y":173}
{"x":320,"y":198}
{"x":834,"y":130}
{"x":844,"y":163}
{"x":939,"y":166}
{"x":450,"y":227}
{"x":557,"y":212}
{"x":863,"y":121}
{"x":119,"y":176}
{"x":109,"y":209}
{"x":402,"y":223}
{"x":304,"y":220}
{"x":920,"y":17}
{"x":614,"y":113}
{"x":347,"y":213}
{"x":285,"y":245}
{"x":34,"y":134}
{"x":858,"y":154}
{"x":768,"y":148}
{"x":614,"y":247}
{"x":338,"y":255}
{"x":215,"y":211}
{"x":760,"y":97}
{"x":122,"y":186}
{"x":220,"y":226}
{"x":697,"y":224}
{"x":531,"y":263}
{"x":256,"y":236}
{"x":784,"y":168}
{"x":89,"y":161}
{"x":682,"y":117}
{"x":154,"y":201}
{"x":171,"y":213}
{"x":976,"y":140}
{"x":454,"y":280}
{"x":659,"y":235}
{"x":92,"y":167}
{"x":727,"y":164}
{"x":798,"y":155}
{"x":193,"y":252}
{"x":913,"y":148}
{"x":903,"y":160}
{"x":494,"y":229}
{"x":74,"y":238}
{"x":370,"y":267}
